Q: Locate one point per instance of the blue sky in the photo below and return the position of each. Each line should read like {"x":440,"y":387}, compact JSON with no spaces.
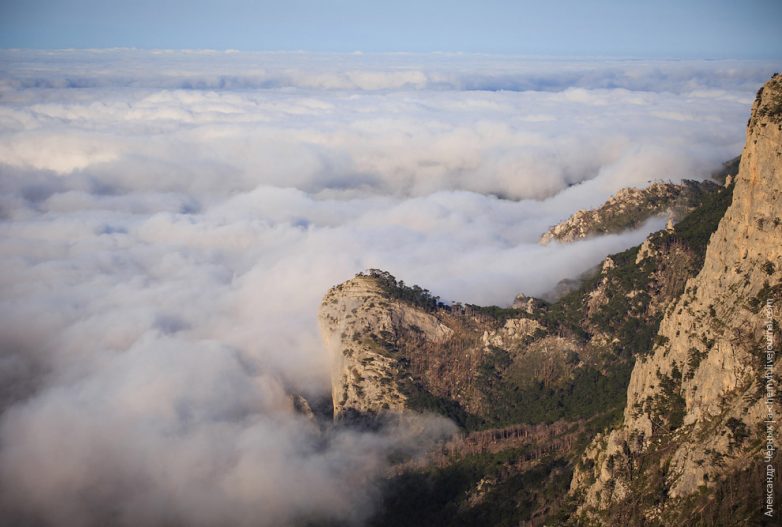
{"x":660,"y":29}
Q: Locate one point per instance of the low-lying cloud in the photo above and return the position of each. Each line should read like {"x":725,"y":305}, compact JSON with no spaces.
{"x":171,"y":220}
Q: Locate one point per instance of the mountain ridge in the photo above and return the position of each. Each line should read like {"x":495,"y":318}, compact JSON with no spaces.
{"x":661,"y":345}
{"x":629,"y":208}
{"x":695,"y":405}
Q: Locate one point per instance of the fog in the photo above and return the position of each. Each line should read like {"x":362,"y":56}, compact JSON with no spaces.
{"x":171,"y":220}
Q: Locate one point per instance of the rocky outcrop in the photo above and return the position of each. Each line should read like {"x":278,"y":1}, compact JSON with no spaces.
{"x":512,"y":334}
{"x":631,"y":207}
{"x":395,"y":348}
{"x":360,"y":323}
{"x":696,"y":404}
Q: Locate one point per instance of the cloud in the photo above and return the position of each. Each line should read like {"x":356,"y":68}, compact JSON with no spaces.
{"x":188,"y":436}
{"x":170,"y":222}
{"x":200,"y":70}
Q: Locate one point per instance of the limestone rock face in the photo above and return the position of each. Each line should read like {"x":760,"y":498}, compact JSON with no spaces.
{"x":359,"y":322}
{"x":512,"y":333}
{"x":696,"y":404}
{"x":629,"y":208}
{"x":394,"y":348}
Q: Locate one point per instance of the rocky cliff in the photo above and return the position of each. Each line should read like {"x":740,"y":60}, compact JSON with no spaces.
{"x":666,"y":342}
{"x":631,"y":207}
{"x":361,"y":323}
{"x":396,"y":348}
{"x":696,"y":405}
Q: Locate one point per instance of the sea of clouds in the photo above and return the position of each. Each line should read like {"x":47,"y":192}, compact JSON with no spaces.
{"x":170,"y":221}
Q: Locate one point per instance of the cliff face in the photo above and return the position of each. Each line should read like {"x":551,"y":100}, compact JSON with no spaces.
{"x":696,"y":404}
{"x":629,"y":208}
{"x":395,"y":348}
{"x":361,"y":325}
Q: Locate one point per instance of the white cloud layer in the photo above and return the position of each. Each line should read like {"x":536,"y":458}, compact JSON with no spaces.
{"x":171,"y":220}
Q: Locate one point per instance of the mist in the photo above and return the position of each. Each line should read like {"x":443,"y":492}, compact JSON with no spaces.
{"x":171,"y":220}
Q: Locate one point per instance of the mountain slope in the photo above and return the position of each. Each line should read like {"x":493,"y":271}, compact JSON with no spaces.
{"x":694,"y":419}
{"x":629,"y":208}
{"x":665,"y":344}
{"x":395,"y":347}
{"x":562,"y":364}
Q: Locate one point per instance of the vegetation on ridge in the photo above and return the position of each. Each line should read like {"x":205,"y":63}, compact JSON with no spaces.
{"x":590,"y":380}
{"x":397,"y":289}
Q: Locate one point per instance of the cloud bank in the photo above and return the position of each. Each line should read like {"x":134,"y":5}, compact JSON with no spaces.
{"x":170,"y":221}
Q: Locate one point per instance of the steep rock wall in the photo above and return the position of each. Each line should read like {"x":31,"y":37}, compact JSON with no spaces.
{"x":696,"y":405}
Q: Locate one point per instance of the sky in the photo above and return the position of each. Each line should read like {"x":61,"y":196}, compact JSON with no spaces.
{"x":659,"y":29}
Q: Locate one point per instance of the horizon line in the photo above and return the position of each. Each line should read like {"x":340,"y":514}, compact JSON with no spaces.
{"x":508,"y":54}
